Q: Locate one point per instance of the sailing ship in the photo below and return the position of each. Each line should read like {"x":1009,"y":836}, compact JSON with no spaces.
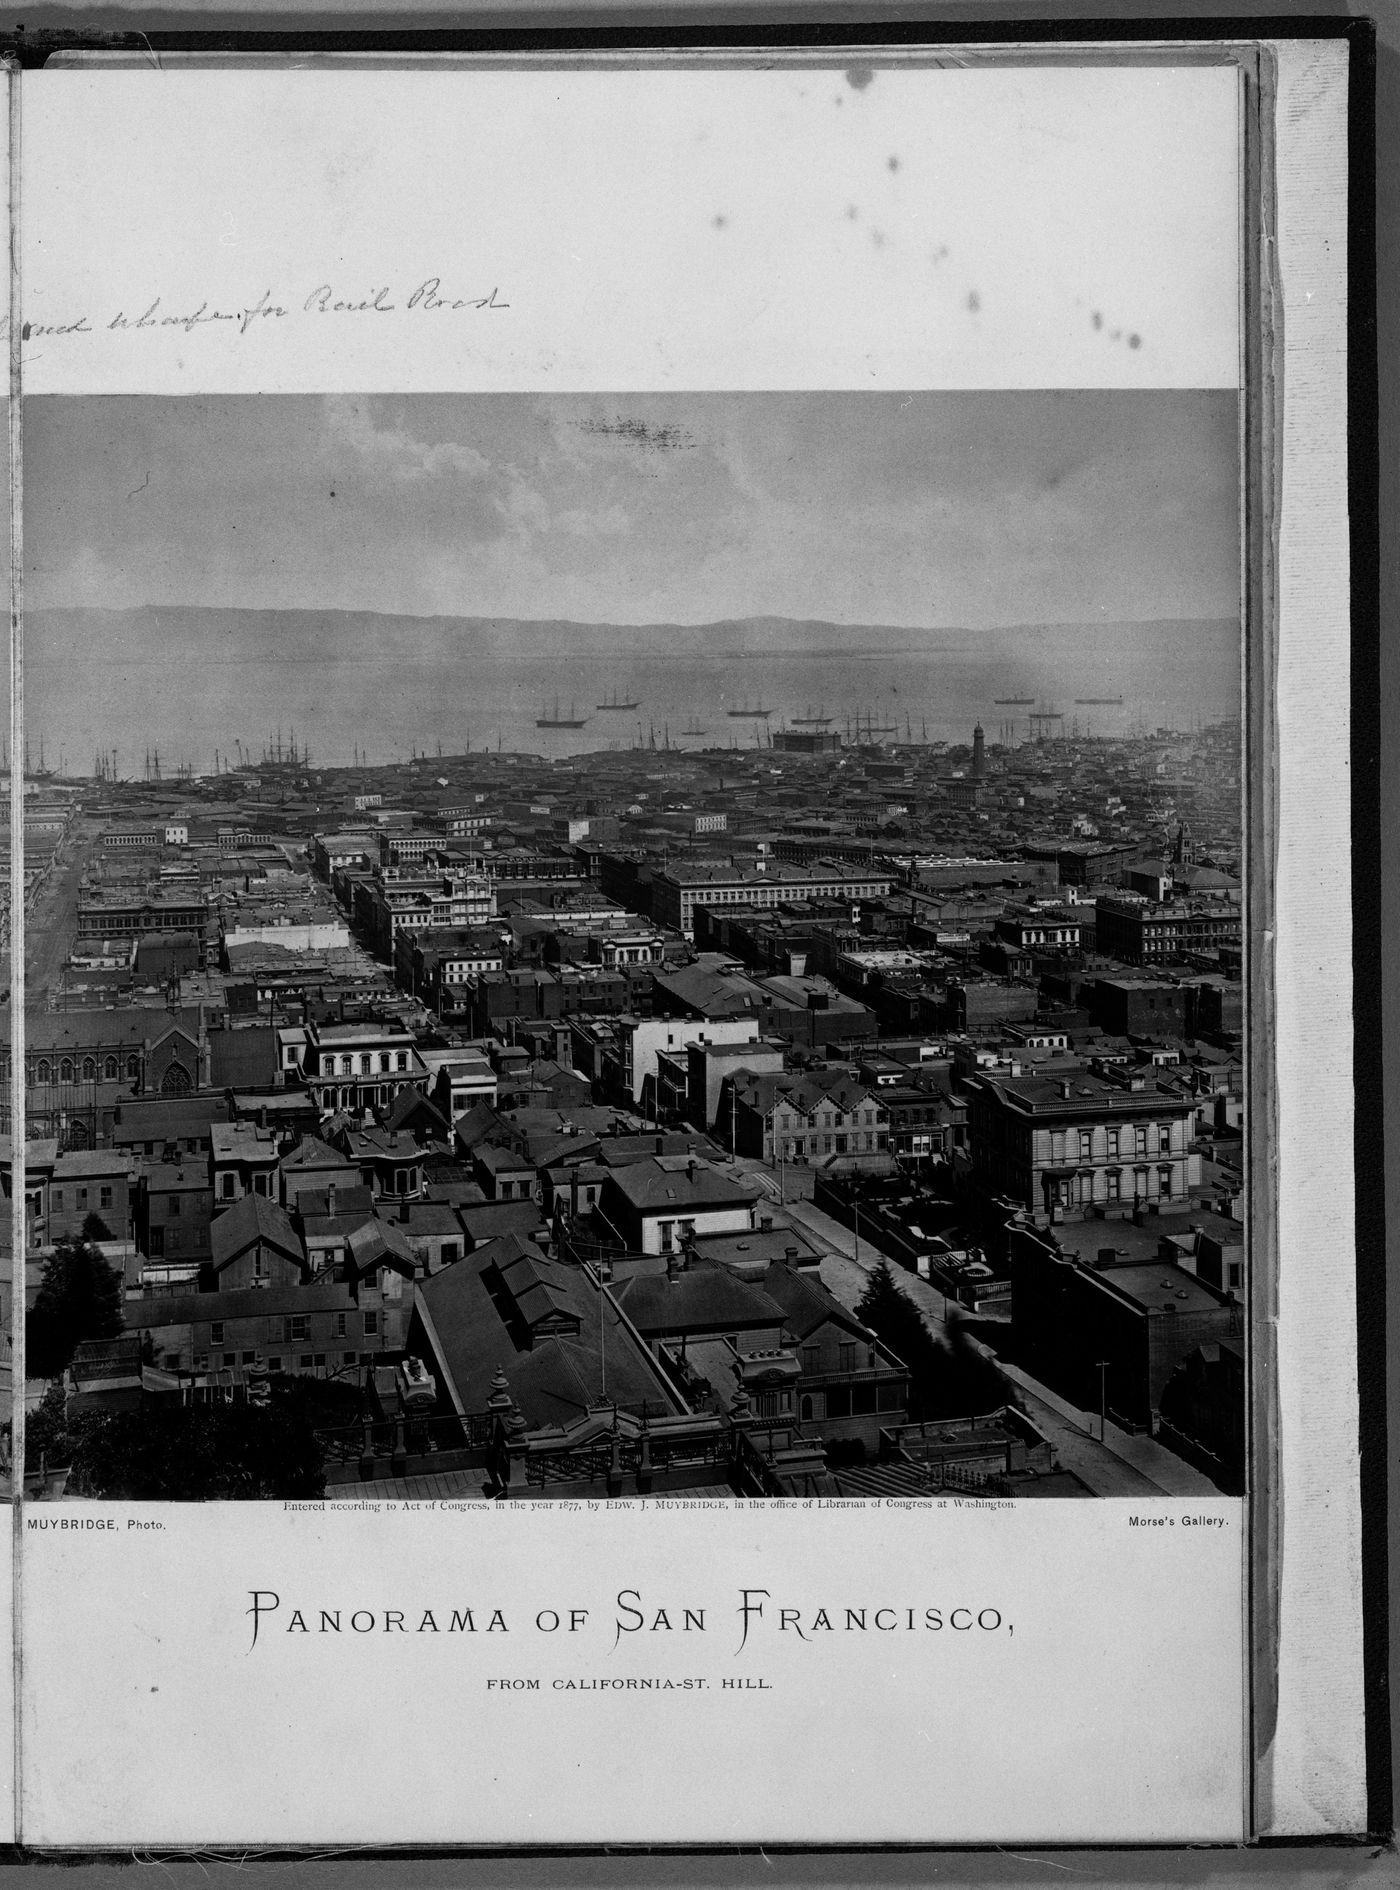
{"x":1013,"y":702}
{"x":809,"y":720}
{"x":615,"y":701}
{"x":1098,"y":702}
{"x":747,"y":711}
{"x":572,"y":720}
{"x":866,"y":728}
{"x":693,"y":728}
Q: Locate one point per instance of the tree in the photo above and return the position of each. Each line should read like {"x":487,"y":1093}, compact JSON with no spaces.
{"x":96,"y":1229}
{"x":897,"y":1322}
{"x":200,"y":1453}
{"x":955,"y":1379}
{"x":46,"y":1431}
{"x":79,"y":1298}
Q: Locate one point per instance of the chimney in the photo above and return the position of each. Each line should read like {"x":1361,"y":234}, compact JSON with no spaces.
{"x":330,"y":1201}
{"x":1064,"y":1090}
{"x":405,"y":1208}
{"x":765,"y":1224}
{"x":790,"y":1256}
{"x":690,"y":1169}
{"x":661,"y":1145}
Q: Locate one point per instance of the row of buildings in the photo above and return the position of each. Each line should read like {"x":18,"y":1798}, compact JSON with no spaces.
{"x":477,"y":1087}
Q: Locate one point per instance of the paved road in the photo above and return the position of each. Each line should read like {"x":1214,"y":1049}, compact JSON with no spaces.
{"x":1120,"y":1466}
{"x":1161,"y":1468}
{"x":52,"y":924}
{"x":1105,"y":1473}
{"x":846,"y":1275}
{"x":795,"y":1182}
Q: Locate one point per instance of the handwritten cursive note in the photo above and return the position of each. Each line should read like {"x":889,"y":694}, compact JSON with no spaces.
{"x":326,"y":298}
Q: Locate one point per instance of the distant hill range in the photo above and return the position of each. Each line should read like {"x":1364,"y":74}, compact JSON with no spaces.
{"x":172,"y":635}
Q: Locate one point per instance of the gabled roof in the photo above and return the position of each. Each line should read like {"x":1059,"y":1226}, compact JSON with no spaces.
{"x":51,"y":1031}
{"x":500,"y":1161}
{"x":677,"y":1183}
{"x":560,"y":1148}
{"x":255,"y":1218}
{"x":311,"y":1153}
{"x":541,"y":1291}
{"x":412,"y":1108}
{"x":709,"y":993}
{"x":807,"y":1304}
{"x":378,"y":1243}
{"x":479,"y":1124}
{"x":39,"y":1151}
{"x":560,"y":1377}
{"x":340,"y":1225}
{"x":701,"y":1299}
{"x":484,"y":1223}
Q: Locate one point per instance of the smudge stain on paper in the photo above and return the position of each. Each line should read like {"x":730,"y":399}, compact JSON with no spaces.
{"x":652,"y":439}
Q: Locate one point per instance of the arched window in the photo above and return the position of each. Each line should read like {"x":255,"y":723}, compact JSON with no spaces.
{"x":43,"y":1071}
{"x":89,"y":1069}
{"x":133,"y":1069}
{"x":176,"y":1081}
{"x":65,"y":1070}
{"x":111,"y":1070}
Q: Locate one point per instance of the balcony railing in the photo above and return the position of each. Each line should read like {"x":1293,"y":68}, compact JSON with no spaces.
{"x":387,"y":1438}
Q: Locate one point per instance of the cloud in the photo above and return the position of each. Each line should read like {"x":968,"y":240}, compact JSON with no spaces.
{"x":393,"y":451}
{"x":88,"y":579}
{"x":608,"y":522}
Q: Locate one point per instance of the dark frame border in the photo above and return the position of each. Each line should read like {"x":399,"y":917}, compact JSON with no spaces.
{"x":656,"y":27}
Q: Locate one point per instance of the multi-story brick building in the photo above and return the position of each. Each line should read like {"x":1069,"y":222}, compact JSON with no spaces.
{"x":803,"y":1118}
{"x":1142,"y":931}
{"x":388,"y":903}
{"x":90,"y":1181}
{"x":316,"y":1331}
{"x":359,"y":1066}
{"x":1081,"y":1140}
{"x":677,"y":890}
{"x":174,"y":1208}
{"x":1109,"y":1329}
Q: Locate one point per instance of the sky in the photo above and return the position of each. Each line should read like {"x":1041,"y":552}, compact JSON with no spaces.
{"x":918,"y":509}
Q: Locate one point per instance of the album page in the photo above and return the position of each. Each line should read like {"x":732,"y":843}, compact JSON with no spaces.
{"x":670,"y":1073}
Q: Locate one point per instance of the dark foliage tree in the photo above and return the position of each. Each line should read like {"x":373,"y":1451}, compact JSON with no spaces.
{"x":953,"y":1379}
{"x":79,"y":1297}
{"x":196,"y":1453}
{"x":95,"y":1228}
{"x":46,"y":1431}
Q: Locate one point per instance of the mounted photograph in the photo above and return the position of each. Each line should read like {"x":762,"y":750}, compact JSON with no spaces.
{"x":624,"y":945}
